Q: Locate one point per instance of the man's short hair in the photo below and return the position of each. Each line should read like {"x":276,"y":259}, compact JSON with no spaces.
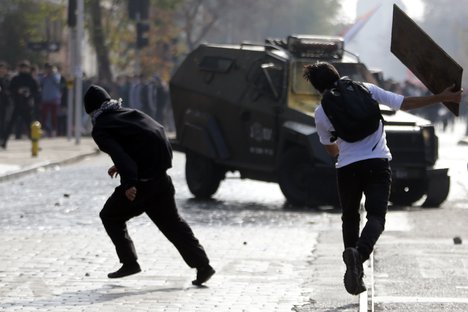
{"x":322,"y":75}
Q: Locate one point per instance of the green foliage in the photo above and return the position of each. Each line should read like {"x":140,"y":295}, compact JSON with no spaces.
{"x":166,"y":4}
{"x":22,"y":21}
{"x":235,"y":21}
{"x":176,"y":27}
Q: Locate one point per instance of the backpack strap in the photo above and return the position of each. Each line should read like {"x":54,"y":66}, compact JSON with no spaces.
{"x":360,"y":84}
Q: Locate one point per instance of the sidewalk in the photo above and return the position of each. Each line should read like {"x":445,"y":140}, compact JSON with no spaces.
{"x":17,"y":159}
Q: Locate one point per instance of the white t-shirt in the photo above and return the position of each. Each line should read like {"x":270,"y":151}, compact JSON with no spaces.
{"x":363,"y":149}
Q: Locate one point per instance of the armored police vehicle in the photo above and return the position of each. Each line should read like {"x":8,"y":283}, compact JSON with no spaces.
{"x":247,"y":108}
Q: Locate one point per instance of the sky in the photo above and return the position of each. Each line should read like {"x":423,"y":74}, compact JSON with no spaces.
{"x":372,"y":42}
{"x":415,"y":9}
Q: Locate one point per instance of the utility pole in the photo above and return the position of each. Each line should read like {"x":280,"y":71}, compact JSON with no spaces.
{"x":70,"y":84}
{"x":71,"y":21}
{"x":138,"y":11}
{"x":78,"y":70}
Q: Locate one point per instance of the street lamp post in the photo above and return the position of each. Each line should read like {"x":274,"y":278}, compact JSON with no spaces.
{"x":78,"y":69}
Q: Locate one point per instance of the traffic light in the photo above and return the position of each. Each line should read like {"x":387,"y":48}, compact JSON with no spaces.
{"x":71,"y":20}
{"x":142,"y":35}
{"x":138,"y":9}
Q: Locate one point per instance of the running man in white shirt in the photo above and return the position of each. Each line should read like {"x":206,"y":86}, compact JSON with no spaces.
{"x":362,"y":168}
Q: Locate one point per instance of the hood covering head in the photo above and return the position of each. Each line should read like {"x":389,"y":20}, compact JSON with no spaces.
{"x":94,"y":98}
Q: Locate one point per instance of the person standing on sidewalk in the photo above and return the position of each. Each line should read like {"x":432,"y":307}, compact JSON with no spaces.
{"x":141,"y":154}
{"x":24,"y":91}
{"x":4,"y":96}
{"x":362,"y":167}
{"x":51,"y":94}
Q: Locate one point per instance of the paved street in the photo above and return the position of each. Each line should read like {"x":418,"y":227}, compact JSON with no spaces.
{"x":55,"y":254}
{"x":418,"y":265}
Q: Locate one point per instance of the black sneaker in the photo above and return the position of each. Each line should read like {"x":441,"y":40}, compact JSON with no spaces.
{"x":354,"y":272}
{"x":203,"y":275}
{"x":125,"y":270}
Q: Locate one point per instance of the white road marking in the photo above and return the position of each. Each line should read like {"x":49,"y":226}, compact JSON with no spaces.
{"x":368,"y":295}
{"x":397,"y":222}
{"x":397,"y":299}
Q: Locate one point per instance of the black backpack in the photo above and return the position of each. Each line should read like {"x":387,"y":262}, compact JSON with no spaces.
{"x":352,"y":111}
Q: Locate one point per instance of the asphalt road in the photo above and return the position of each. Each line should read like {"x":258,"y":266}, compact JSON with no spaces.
{"x":422,"y":259}
{"x":55,"y":254}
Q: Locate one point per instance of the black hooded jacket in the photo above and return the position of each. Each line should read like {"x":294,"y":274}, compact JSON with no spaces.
{"x":24,"y":85}
{"x":136,"y":143}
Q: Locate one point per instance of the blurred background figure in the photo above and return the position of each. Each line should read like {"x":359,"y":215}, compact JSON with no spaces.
{"x":51,"y":97}
{"x":135,"y":92}
{"x":123,"y":89}
{"x":24,"y":91}
{"x":148,"y":93}
{"x":63,"y":109}
{"x":160,"y":99}
{"x":4,"y":97}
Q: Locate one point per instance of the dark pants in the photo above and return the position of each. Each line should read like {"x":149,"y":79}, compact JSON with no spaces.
{"x":156,"y":198}
{"x":22,"y":110}
{"x":49,"y":115}
{"x":3,"y":116}
{"x":371,"y":177}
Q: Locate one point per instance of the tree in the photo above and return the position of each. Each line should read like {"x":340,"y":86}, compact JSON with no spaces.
{"x":176,"y":27}
{"x":99,"y":41}
{"x":244,"y":20}
{"x":25,"y":21}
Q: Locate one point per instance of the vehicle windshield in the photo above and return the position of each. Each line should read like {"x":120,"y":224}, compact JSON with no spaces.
{"x":355,"y":71}
{"x":305,"y":98}
{"x":299,"y":84}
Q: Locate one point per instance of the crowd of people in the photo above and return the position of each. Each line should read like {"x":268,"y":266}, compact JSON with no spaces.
{"x":149,"y":94}
{"x":29,"y":93}
{"x":436,"y":114}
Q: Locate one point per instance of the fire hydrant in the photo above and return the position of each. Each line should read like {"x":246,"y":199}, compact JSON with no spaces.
{"x":36,"y":133}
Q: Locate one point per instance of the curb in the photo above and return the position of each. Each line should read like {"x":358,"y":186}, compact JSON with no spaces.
{"x":30,"y":169}
{"x":463,"y":142}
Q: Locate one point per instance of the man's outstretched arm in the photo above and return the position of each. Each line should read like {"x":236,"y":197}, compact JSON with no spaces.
{"x":412,"y":102}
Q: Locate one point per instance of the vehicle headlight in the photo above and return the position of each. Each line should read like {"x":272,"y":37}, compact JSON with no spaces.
{"x":427,"y":135}
{"x":430,"y":144}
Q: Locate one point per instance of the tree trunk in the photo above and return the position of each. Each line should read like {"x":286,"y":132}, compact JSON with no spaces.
{"x":99,"y":42}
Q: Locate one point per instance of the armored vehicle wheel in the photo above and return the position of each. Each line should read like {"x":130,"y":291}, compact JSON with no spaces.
{"x":406,"y":192}
{"x":202,"y":174}
{"x":295,"y":175}
{"x":437,"y":191}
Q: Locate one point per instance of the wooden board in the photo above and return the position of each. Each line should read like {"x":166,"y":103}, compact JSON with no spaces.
{"x":423,"y":57}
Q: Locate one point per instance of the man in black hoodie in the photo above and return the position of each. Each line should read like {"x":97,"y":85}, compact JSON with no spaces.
{"x":4,"y":97}
{"x":24,"y":91}
{"x":141,"y":155}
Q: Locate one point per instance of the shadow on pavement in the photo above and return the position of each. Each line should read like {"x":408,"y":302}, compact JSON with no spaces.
{"x":88,"y":297}
{"x":213,"y":204}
